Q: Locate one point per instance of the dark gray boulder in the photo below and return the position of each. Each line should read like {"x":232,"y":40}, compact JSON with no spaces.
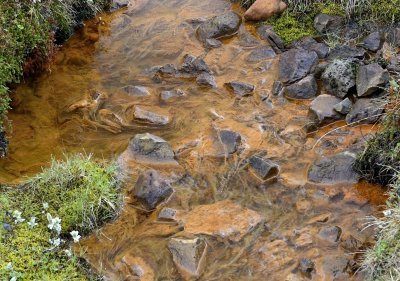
{"x":151,"y":189}
{"x":230,"y":140}
{"x":393,"y":37}
{"x":296,"y":64}
{"x":267,"y":33}
{"x":339,"y":77}
{"x":264,"y":168}
{"x":303,"y":89}
{"x":206,"y":80}
{"x":325,"y":23}
{"x":194,"y":65}
{"x":346,"y":52}
{"x":151,"y":147}
{"x":241,"y":89}
{"x":373,"y":42}
{"x":219,"y":26}
{"x":260,"y":54}
{"x":371,"y":78}
{"x":344,"y":106}
{"x":168,"y":69}
{"x":322,"y":110}
{"x":334,"y":169}
{"x":310,"y":44}
{"x":136,"y":91}
{"x":365,"y":111}
{"x":319,"y":70}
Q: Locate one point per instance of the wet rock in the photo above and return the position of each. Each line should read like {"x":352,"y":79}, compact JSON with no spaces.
{"x":324,"y":23}
{"x":339,"y":77}
{"x":3,"y":144}
{"x":151,"y":147}
{"x":310,"y":44}
{"x":371,"y":78}
{"x":230,"y":140}
{"x":351,"y":244}
{"x":344,"y":106}
{"x":346,"y":52}
{"x":276,"y":255}
{"x":373,"y":42}
{"x":137,"y":268}
{"x":306,"y":266}
{"x":323,"y":218}
{"x":151,"y":189}
{"x":296,"y":64}
{"x":267,"y":33}
{"x":206,"y":80}
{"x":334,"y":169}
{"x":330,"y":233}
{"x":303,"y":89}
{"x":150,"y":117}
{"x":241,"y":89}
{"x":213,"y":43}
{"x":365,"y":111}
{"x":246,"y":39}
{"x":188,"y":254}
{"x":264,"y":9}
{"x":167,"y":95}
{"x":168,"y":69}
{"x":219,"y":26}
{"x":167,"y":214}
{"x":277,"y":88}
{"x":335,"y":267}
{"x":393,"y":37}
{"x":264,"y":168}
{"x":304,"y":240}
{"x":224,"y":220}
{"x":261,"y":54}
{"x":136,"y":91}
{"x":119,"y":4}
{"x":322,"y":110}
{"x":194,"y":66}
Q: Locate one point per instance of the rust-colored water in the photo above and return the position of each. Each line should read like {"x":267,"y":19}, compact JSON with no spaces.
{"x":118,"y":50}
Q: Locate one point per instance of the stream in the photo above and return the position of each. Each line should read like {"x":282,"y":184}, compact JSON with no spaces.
{"x":285,"y":229}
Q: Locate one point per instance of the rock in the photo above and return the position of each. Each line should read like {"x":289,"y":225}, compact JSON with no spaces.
{"x":261,"y":54}
{"x":167,"y":214}
{"x":344,"y":106}
{"x":335,"y":267}
{"x":304,"y":240}
{"x":323,"y":218}
{"x":194,"y":66}
{"x":150,"y":117}
{"x":136,"y":268}
{"x":151,"y":189}
{"x":296,"y":64}
{"x":371,"y":78}
{"x":219,"y":26}
{"x":168,"y":69}
{"x":330,"y":233}
{"x":346,"y":52}
{"x":7,"y":227}
{"x":306,"y":266}
{"x":334,"y":169}
{"x":136,"y":91}
{"x":267,"y":33}
{"x":351,"y":244}
{"x":241,"y":89}
{"x":3,"y":144}
{"x":224,"y":220}
{"x":319,"y":70}
{"x":373,"y":42}
{"x":188,"y":254}
{"x":119,"y":4}
{"x":206,"y":80}
{"x":264,"y":9}
{"x":304,"y":89}
{"x":213,"y":43}
{"x":277,"y":88}
{"x":322,"y":109}
{"x":230,"y":140}
{"x":151,"y":147}
{"x":310,"y":44}
{"x":365,"y":111}
{"x":264,"y":168}
{"x":167,"y":95}
{"x":393,"y":37}
{"x":339,"y":77}
{"x":324,"y":23}
{"x":277,"y":255}
{"x":246,"y":39}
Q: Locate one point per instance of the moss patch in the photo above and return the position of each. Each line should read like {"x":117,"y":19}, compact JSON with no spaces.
{"x":82,"y":193}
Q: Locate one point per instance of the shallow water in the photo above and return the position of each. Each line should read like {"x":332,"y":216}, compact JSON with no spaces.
{"x":120,"y":49}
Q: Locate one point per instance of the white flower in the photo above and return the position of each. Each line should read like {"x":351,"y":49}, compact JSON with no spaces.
{"x":13,"y":279}
{"x":45,"y":205}
{"x":75,"y":235}
{"x":68,"y":253}
{"x":32,"y":223}
{"x":54,"y":223}
{"x":17,"y":216}
{"x":387,"y":213}
{"x":55,"y":242}
{"x":9,"y":267}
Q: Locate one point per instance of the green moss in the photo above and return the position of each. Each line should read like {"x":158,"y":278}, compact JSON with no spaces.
{"x":331,"y":9}
{"x":81,"y":192}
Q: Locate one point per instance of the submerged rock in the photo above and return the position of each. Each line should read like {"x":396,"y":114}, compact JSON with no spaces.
{"x":219,"y":26}
{"x":264,"y":168}
{"x":188,"y":254}
{"x":261,"y":54}
{"x":365,"y":111}
{"x":136,"y":91}
{"x":264,"y":9}
{"x":207,"y":80}
{"x":167,"y":214}
{"x":167,"y":95}
{"x":151,"y":147}
{"x":151,"y":189}
{"x":330,"y":233}
{"x":150,"y":117}
{"x":230,"y":140}
{"x":371,"y":78}
{"x":296,"y":64}
{"x":339,"y":77}
{"x":241,"y":89}
{"x":325,"y":23}
{"x":136,"y":267}
{"x":303,"y":89}
{"x":322,"y":110}
{"x":194,"y":66}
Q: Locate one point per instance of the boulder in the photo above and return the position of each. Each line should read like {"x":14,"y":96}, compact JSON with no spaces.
{"x":365,"y":111}
{"x":230,"y":140}
{"x":219,"y":26}
{"x":167,"y":214}
{"x":373,"y":42}
{"x":167,"y":95}
{"x":264,"y":168}
{"x":188,"y":254}
{"x":393,"y":37}
{"x":324,"y":23}
{"x":151,"y":147}
{"x":296,"y":64}
{"x":206,"y":80}
{"x":149,"y":117}
{"x":322,"y":110}
{"x":346,"y":52}
{"x":319,"y":70}
{"x":194,"y":66}
{"x":310,"y":44}
{"x":267,"y":33}
{"x":330,"y":233}
{"x":136,"y":91}
{"x":260,"y":54}
{"x":303,"y":89}
{"x":264,"y":9}
{"x":344,"y":106}
{"x":371,"y":78}
{"x":240,"y":89}
{"x":339,"y":77}
{"x":334,"y":169}
{"x":151,"y":189}
{"x":168,"y":69}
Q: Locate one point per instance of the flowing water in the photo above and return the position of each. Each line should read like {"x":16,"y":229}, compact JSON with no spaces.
{"x":52,"y":116}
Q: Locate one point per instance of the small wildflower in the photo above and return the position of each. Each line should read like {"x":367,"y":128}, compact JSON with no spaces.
{"x":32,"y":223}
{"x":54,"y":223}
{"x":55,"y":242}
{"x":45,"y":205}
{"x":13,"y":278}
{"x":17,"y":216}
{"x":9,"y":267}
{"x":68,"y":253}
{"x":75,"y":235}
{"x":387,"y":213}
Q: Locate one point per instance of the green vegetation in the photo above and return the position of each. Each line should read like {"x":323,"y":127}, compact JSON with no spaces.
{"x":27,"y":32}
{"x":69,"y":199}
